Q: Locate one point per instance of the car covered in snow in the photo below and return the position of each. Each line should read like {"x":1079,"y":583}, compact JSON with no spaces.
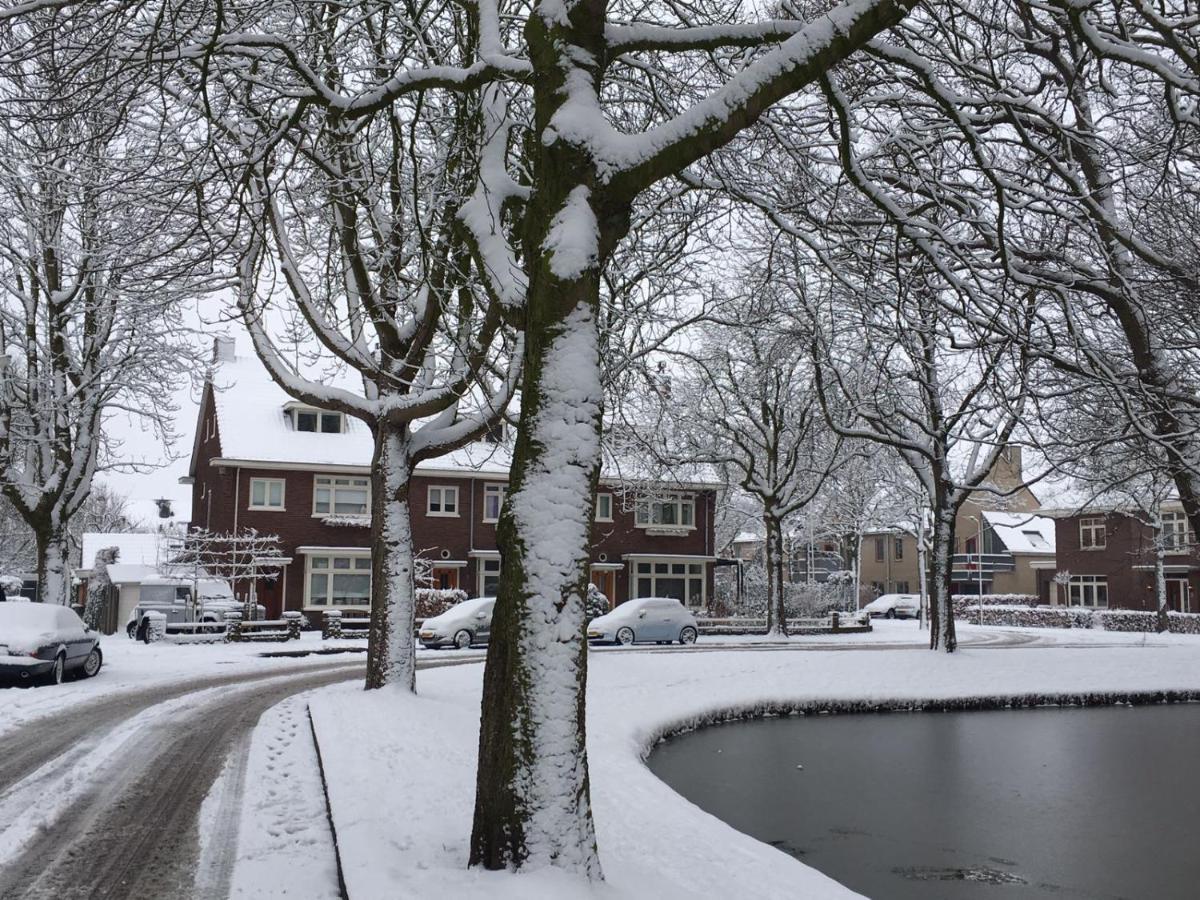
{"x":172,"y":597}
{"x":46,"y":642}
{"x":463,"y":625}
{"x":894,"y":606}
{"x":660,"y":620}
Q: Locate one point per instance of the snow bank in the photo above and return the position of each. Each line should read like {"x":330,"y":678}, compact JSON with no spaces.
{"x":401,"y":769}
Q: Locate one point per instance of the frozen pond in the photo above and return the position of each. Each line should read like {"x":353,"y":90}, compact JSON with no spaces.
{"x":1093,"y":803}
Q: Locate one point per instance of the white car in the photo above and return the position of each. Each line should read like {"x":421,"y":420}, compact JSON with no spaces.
{"x":894,"y":606}
{"x":461,"y":626}
{"x":658,"y":619}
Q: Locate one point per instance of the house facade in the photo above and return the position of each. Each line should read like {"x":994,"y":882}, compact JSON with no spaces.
{"x":1109,"y":556}
{"x":1003,"y":544}
{"x":261,"y":461}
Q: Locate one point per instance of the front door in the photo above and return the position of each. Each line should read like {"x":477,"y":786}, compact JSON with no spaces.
{"x":1178,"y":595}
{"x":445,"y":578}
{"x":605,"y":581}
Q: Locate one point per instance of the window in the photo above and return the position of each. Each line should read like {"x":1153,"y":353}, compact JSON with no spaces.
{"x":1036,"y":540}
{"x":266,"y":493}
{"x":1092,"y":534}
{"x":880,"y":549}
{"x":489,"y":577}
{"x":1175,"y":531}
{"x":604,"y":507}
{"x":341,"y":496}
{"x":443,"y":501}
{"x":339,"y":580}
{"x":900,"y":551}
{"x":672,"y":512}
{"x":318,"y":420}
{"x":493,"y":499}
{"x":684,"y":581}
{"x":1089,"y":590}
{"x":902,"y":587}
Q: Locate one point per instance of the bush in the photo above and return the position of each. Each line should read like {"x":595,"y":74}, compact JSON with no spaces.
{"x":596,"y":603}
{"x":1026,"y":616}
{"x":1183,"y":623}
{"x":963,"y":602}
{"x":432,"y":602}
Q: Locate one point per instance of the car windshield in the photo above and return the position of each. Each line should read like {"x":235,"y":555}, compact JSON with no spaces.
{"x":470,"y":607}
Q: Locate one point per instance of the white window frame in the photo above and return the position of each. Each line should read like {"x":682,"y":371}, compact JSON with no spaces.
{"x":483,"y":562}
{"x":266,"y":505}
{"x":296,"y":411}
{"x":1175,"y":534}
{"x":330,"y":571}
{"x":609,"y":502}
{"x":1087,"y":588}
{"x":490,"y":490}
{"x":442,"y":489}
{"x":1091,"y":526}
{"x":693,"y":570}
{"x":643,"y":516}
{"x":329,"y":481}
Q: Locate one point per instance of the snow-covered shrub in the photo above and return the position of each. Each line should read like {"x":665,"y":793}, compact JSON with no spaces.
{"x":597,"y":603}
{"x":1128,"y":620}
{"x":1026,"y":616}
{"x":1183,"y":623}
{"x":433,"y":602}
{"x":964,"y":601}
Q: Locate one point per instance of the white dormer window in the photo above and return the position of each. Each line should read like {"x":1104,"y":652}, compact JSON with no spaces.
{"x":306,"y":418}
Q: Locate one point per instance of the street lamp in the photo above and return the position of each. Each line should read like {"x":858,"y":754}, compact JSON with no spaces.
{"x":979,"y":564}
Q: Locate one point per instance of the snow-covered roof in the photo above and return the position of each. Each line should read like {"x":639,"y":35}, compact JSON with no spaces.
{"x":130,"y":573}
{"x":255,"y":427}
{"x":1023,"y":532}
{"x":747,"y":537}
{"x":141,"y":549}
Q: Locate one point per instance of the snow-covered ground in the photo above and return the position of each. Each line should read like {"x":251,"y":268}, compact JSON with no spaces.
{"x":131,"y":666}
{"x":401,"y":769}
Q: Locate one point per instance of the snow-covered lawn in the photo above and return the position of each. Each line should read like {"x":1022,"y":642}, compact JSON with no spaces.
{"x":401,"y":770}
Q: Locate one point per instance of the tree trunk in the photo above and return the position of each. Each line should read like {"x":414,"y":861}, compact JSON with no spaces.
{"x":391,"y":649}
{"x":54,"y":583}
{"x":99,"y":588}
{"x":776,"y":605}
{"x":1160,"y":574}
{"x":532,"y":802}
{"x":941,"y":609}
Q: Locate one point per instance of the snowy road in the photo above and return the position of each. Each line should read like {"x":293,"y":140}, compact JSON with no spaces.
{"x":103,"y":800}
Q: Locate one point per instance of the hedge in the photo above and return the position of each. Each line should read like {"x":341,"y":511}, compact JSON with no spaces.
{"x":963,"y":602}
{"x":1134,"y":620}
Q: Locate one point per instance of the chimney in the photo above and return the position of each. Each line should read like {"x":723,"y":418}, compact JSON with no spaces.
{"x":223,"y":348}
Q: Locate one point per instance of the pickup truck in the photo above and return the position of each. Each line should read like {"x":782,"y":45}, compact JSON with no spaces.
{"x":173,"y":598}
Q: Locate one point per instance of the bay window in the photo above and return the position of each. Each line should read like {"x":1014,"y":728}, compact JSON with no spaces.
{"x":339,"y":581}
{"x":682,"y":581}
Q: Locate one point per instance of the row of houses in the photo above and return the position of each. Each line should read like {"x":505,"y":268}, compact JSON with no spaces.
{"x":261,"y":461}
{"x":1008,"y":543}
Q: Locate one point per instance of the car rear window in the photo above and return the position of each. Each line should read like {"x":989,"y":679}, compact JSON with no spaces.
{"x":30,"y":615}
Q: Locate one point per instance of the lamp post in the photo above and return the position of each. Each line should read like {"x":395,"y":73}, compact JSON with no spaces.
{"x":979,"y":562}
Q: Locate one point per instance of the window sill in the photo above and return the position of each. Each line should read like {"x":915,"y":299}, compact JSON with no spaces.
{"x":442,"y":515}
{"x":266,"y":509}
{"x":485,"y":521}
{"x":667,"y":530}
{"x":1090,"y":549}
{"x":600,"y":521}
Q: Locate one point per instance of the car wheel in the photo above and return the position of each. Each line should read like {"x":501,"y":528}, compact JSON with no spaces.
{"x":462,"y":639}
{"x":891,"y":614}
{"x":131,"y":630}
{"x":91,"y":665}
{"x":625,"y":636}
{"x":56,"y":674}
{"x":688,"y":635}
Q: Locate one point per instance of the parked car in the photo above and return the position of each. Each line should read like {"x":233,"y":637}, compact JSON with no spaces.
{"x":173,"y":598}
{"x":658,"y":619}
{"x":894,"y":606}
{"x":46,"y":642}
{"x":464,"y":625}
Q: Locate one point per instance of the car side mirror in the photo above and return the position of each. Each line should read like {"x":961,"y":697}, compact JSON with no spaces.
{"x":642,"y":614}
{"x":481,"y":615}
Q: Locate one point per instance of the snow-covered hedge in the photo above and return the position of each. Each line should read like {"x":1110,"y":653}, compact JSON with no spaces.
{"x":1026,"y":616}
{"x":1077,"y":617}
{"x":432,"y":602}
{"x":965,"y":601}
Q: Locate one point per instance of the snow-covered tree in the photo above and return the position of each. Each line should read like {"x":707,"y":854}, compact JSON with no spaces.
{"x":97,"y":247}
{"x":99,"y":588}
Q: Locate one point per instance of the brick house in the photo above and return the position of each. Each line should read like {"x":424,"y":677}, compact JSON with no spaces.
{"x":1110,"y":556}
{"x":262,"y":461}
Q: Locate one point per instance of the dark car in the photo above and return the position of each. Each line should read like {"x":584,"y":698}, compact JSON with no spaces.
{"x":46,"y":642}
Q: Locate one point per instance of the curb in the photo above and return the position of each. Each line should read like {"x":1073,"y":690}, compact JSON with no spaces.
{"x":337,"y":853}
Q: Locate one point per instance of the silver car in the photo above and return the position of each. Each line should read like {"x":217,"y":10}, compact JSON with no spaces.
{"x":658,"y":619}
{"x":461,"y":626}
{"x":46,"y":642}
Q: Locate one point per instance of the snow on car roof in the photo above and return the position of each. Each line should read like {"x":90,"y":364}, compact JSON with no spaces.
{"x":1023,"y":532}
